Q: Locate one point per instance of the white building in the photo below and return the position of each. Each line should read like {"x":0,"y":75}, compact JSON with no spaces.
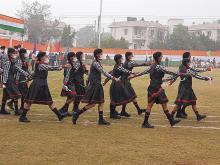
{"x":212,"y":30}
{"x":139,"y":34}
{"x":173,"y":23}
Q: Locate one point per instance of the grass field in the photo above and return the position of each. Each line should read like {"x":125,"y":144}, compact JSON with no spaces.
{"x":46,"y":141}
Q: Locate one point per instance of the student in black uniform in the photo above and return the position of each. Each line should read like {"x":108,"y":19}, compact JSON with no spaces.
{"x":21,"y":80}
{"x":11,"y":91}
{"x":156,"y":94}
{"x":94,"y":93}
{"x":2,"y":59}
{"x":79,"y":81}
{"x":186,"y":95}
{"x":69,"y":89}
{"x":129,"y":64}
{"x":119,"y":95}
{"x":38,"y":92}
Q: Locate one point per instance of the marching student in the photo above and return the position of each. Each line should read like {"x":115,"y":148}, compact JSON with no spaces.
{"x":94,"y":93}
{"x":79,"y":80}
{"x":21,"y":80}
{"x":129,"y":64}
{"x":38,"y":92}
{"x":11,"y":91}
{"x":69,"y":89}
{"x":2,"y":59}
{"x":156,"y":94}
{"x":119,"y":94}
{"x":186,"y":95}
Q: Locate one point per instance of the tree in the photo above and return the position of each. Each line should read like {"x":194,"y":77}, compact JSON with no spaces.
{"x":38,"y":25}
{"x":67,"y":37}
{"x":181,"y":39}
{"x":86,"y":36}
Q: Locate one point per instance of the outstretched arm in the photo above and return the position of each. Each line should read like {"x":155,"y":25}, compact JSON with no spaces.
{"x":197,"y":76}
{"x":199,"y":70}
{"x":146,"y":71}
{"x":164,"y":70}
{"x":48,"y":67}
{"x":100,"y":69}
{"x":107,"y":79}
{"x":122,"y":69}
{"x":133,"y":64}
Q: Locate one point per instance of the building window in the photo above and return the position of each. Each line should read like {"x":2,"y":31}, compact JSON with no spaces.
{"x":125,"y":32}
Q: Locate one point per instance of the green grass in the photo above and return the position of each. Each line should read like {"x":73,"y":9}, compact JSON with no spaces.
{"x":46,"y":141}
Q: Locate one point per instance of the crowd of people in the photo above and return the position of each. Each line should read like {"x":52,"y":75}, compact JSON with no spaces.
{"x":15,"y":75}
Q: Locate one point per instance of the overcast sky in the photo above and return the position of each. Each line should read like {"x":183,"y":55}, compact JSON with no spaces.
{"x":191,"y":10}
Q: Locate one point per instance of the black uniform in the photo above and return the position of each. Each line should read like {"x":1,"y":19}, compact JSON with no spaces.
{"x":21,"y":80}
{"x":94,"y":93}
{"x":69,"y":84}
{"x":186,"y":95}
{"x":38,"y":92}
{"x":156,"y":94}
{"x":9,"y":73}
{"x":79,"y":80}
{"x":129,"y":65}
{"x":119,"y":94}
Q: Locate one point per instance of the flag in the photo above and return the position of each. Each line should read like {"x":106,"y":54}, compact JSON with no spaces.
{"x":11,"y":24}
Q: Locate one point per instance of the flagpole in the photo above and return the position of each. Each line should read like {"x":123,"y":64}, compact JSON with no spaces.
{"x":100,"y":24}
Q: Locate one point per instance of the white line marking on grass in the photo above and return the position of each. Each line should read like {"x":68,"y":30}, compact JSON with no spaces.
{"x":86,"y":123}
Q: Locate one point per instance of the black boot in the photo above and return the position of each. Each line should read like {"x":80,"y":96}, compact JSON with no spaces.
{"x":183,"y":109}
{"x":123,"y":111}
{"x":64,"y":110}
{"x":125,"y":114}
{"x":59,"y":115}
{"x":147,"y":125}
{"x":75,"y":117}
{"x":172,"y":121}
{"x":114,"y":116}
{"x":103,"y":122}
{"x":113,"y":113}
{"x":180,"y":114}
{"x":23,"y":117}
{"x":200,"y":117}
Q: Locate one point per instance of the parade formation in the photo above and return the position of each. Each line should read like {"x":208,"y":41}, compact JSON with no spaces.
{"x":15,"y":75}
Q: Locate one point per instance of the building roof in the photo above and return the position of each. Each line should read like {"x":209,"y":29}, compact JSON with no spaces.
{"x":206,"y":26}
{"x":137,"y":24}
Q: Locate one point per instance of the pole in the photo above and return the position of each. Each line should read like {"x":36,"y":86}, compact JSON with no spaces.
{"x":100,"y":24}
